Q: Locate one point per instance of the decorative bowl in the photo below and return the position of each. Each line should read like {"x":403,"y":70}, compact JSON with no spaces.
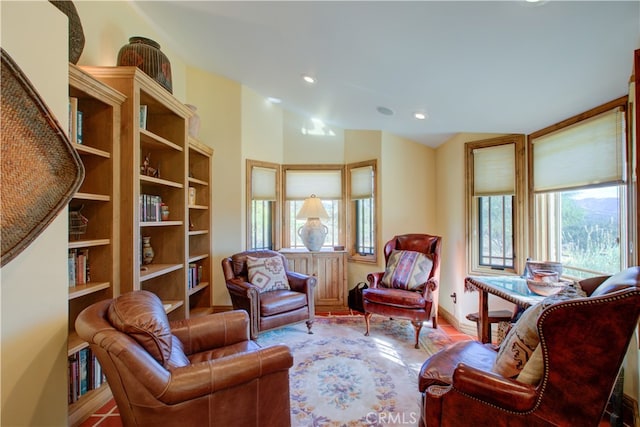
{"x":546,"y":289}
{"x":532,"y":266}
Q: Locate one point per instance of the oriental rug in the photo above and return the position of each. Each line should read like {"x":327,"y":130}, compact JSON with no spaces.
{"x":340,"y":378}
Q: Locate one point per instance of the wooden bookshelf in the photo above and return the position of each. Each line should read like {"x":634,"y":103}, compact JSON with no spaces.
{"x":199,"y":177}
{"x":98,"y":195}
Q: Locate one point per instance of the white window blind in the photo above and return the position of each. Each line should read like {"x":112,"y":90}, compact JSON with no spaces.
{"x":494,"y":170}
{"x":325,"y":184}
{"x":263,"y":183}
{"x":587,"y":153}
{"x":362,"y":183}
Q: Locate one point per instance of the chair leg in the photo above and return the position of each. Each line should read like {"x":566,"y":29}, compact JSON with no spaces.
{"x":367,"y":316}
{"x":417,"y":325}
{"x":434,"y":322}
{"x":309,"y":324}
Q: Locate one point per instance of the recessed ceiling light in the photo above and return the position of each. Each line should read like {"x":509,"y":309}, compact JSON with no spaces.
{"x":420,"y":115}
{"x":274,"y":100}
{"x":309,"y":79}
{"x":384,"y":110}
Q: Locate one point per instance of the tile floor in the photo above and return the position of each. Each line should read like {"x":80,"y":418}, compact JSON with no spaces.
{"x":108,"y":415}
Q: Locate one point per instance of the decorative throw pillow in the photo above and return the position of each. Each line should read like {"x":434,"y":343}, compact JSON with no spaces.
{"x":268,"y":274}
{"x":519,"y":345}
{"x":407,"y":270}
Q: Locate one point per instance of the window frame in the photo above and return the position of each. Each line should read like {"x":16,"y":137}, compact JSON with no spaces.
{"x":518,"y":206}
{"x":286,"y":222}
{"x":276,"y":208}
{"x":539,"y":224}
{"x":352,"y":226}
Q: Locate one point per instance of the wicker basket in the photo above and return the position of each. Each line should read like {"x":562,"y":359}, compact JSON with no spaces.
{"x":40,"y":170}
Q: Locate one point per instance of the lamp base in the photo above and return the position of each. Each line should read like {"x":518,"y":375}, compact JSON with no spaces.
{"x":313,"y":233}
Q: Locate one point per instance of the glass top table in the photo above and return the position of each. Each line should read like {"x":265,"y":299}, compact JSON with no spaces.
{"x":511,"y":288}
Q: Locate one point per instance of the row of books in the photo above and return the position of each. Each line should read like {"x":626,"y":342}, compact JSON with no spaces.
{"x":79,"y":272}
{"x":75,"y":121}
{"x":195,"y":275}
{"x":150,"y":207}
{"x":85,"y":374}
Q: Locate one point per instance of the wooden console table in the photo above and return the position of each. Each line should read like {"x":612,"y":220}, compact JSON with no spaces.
{"x":329,"y":267}
{"x":511,"y":288}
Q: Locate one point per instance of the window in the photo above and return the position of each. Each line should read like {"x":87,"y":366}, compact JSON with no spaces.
{"x":323,"y":181}
{"x":495,"y":213}
{"x":580,"y":212}
{"x":361,"y":187}
{"x":262,"y":206}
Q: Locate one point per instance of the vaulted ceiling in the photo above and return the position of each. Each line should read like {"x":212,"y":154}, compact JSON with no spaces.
{"x":471,"y":66}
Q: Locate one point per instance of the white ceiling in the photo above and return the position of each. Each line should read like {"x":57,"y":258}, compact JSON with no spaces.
{"x":474,"y":66}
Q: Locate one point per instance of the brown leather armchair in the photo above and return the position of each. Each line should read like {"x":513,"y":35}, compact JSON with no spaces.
{"x":416,"y":306}
{"x":273,"y":309}
{"x":202,"y":371}
{"x":583,"y":343}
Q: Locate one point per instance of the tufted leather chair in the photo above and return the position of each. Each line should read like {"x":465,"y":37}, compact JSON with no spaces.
{"x":273,"y":309}
{"x":202,"y":371}
{"x":405,"y":304}
{"x":583,"y":342}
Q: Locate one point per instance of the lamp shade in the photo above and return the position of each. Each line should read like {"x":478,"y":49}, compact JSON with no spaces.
{"x":312,"y":208}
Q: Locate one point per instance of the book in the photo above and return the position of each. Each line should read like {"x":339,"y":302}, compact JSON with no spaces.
{"x":79,"y":127}
{"x":72,"y":268}
{"x":73,"y":119}
{"x":143,"y":116}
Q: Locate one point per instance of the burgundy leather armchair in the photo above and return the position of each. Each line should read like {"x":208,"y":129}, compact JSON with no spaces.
{"x":273,"y":309}
{"x":416,"y":306}
{"x":202,"y":371}
{"x":583,"y":343}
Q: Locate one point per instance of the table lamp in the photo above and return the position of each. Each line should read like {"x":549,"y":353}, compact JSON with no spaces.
{"x":313,"y":232}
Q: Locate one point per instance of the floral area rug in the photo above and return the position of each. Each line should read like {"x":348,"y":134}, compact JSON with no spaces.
{"x":340,"y":378}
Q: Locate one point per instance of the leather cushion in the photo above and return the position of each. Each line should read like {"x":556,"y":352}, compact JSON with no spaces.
{"x":521,"y":341}
{"x":394,"y":297}
{"x":268,"y":274}
{"x":408,"y":270}
{"x":438,"y":369}
{"x":140,"y":314}
{"x":622,"y":280}
{"x":281,"y":301}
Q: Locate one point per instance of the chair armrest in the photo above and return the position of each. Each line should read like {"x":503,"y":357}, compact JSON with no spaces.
{"x":301,"y":282}
{"x":374,"y":279}
{"x":241,"y":288}
{"x":201,"y":379}
{"x":494,"y":389}
{"x":211,"y":331}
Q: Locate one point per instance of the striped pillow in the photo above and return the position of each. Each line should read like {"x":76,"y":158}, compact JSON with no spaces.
{"x":408,"y":270}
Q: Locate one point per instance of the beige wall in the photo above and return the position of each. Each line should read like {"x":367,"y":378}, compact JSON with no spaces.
{"x":450,"y":199}
{"x":34,"y":288}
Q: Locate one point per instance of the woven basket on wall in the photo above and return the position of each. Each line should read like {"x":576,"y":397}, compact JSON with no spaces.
{"x":39,"y":170}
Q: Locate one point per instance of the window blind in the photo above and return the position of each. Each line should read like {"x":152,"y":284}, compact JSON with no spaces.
{"x":325,"y":184}
{"x":587,"y":153}
{"x":362,"y":183}
{"x":494,"y":170}
{"x":263,"y":183}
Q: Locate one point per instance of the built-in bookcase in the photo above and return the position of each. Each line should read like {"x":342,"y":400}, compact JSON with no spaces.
{"x":97,"y":247}
{"x":199,"y":176}
{"x":154,"y":162}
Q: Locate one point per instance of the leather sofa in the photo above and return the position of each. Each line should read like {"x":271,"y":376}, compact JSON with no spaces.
{"x":273,"y":309}
{"x":203,"y":371}
{"x":583,"y":342}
